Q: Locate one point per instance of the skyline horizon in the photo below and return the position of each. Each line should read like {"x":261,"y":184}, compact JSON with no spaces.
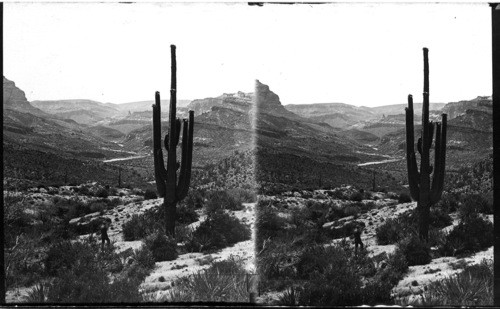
{"x":415,"y":101}
{"x":305,"y":53}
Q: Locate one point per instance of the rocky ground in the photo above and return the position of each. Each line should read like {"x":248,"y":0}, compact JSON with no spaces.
{"x":164,"y":273}
{"x":412,"y":286}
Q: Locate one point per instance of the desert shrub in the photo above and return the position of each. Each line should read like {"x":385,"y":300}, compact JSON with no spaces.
{"x":475,"y":203}
{"x":404,"y":198}
{"x":150,"y":194}
{"x":472,"y":234}
{"x":267,"y":224}
{"x":352,"y":211}
{"x":139,"y":226}
{"x":218,"y":231}
{"x":275,"y":261}
{"x":22,"y":261}
{"x":389,"y":232}
{"x":397,"y":262}
{"x":102,"y":192}
{"x":472,"y":287}
{"x":377,"y":291}
{"x":84,"y":190}
{"x":221,"y":200}
{"x":144,"y":257}
{"x":183,"y":233}
{"x":113,"y":191}
{"x":356,"y":196}
{"x":64,"y":255}
{"x":185,"y":214}
{"x":337,"y":194}
{"x":112,"y":202}
{"x":449,"y":202}
{"x":439,"y":218}
{"x":163,"y":248}
{"x":331,"y":277}
{"x":224,"y":281}
{"x":194,"y":198}
{"x":394,"y":229}
{"x":88,"y":282}
{"x":139,"y":264}
{"x":436,"y":238}
{"x":335,"y":212}
{"x":72,"y":208}
{"x":415,"y":250}
{"x":16,"y":220}
{"x":97,"y":207}
{"x":243,"y":195}
{"x":135,"y":228}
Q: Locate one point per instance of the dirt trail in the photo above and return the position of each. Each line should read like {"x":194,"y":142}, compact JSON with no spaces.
{"x":123,"y":159}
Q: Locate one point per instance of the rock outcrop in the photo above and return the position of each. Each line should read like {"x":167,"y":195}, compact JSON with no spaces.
{"x":15,"y":99}
{"x":481,"y":103}
{"x":239,"y":101}
{"x":268,"y":102}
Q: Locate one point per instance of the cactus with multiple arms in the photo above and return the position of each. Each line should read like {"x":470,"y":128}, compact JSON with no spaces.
{"x":421,"y":189}
{"x":169,"y":187}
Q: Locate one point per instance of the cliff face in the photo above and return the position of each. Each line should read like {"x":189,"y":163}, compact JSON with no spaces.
{"x":240,"y":101}
{"x":268,"y":102}
{"x":14,"y":98}
{"x":456,"y":109}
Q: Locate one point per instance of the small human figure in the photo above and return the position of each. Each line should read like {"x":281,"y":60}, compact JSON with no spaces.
{"x":357,"y":239}
{"x":104,"y":232}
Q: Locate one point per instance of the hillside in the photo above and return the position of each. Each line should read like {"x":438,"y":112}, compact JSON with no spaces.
{"x":296,"y":152}
{"x":15,"y":99}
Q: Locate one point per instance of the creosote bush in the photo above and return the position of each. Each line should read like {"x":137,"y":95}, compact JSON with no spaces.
{"x":102,"y":192}
{"x":83,"y":275}
{"x":150,"y":194}
{"x":218,"y":200}
{"x":218,"y":231}
{"x":415,"y":250}
{"x":471,"y":235}
{"x":163,"y":248}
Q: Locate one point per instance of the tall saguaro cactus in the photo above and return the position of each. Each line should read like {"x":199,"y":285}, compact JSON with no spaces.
{"x":421,"y":189}
{"x":169,"y":187}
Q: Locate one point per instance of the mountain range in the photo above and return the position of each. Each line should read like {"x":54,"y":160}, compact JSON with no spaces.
{"x":295,"y":145}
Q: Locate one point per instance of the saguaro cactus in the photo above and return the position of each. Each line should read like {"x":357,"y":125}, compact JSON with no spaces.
{"x":421,"y":189}
{"x":171,"y":189}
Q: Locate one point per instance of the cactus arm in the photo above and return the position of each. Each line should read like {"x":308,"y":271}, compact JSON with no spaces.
{"x":431,"y":134}
{"x":438,"y":177}
{"x":159,"y":169}
{"x":187,"y":157}
{"x":410,"y":152}
{"x":177,"y":131}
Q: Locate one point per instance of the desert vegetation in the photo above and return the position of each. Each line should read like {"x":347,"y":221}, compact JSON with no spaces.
{"x":306,"y":254}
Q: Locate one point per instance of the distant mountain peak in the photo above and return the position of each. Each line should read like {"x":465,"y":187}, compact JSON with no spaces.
{"x":269,"y":102}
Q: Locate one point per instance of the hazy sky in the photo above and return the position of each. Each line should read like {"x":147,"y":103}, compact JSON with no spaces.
{"x":362,"y":54}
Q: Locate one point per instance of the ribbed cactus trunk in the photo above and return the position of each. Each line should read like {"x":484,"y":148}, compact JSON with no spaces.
{"x":168,"y":187}
{"x":421,"y":189}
